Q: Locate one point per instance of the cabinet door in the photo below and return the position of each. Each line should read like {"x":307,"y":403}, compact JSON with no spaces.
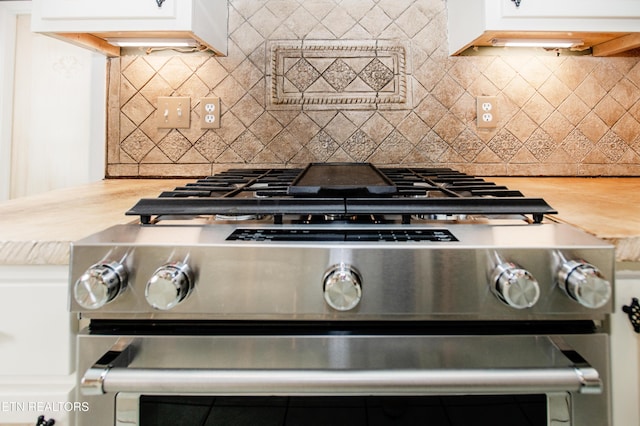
{"x":36,"y":328}
{"x":571,"y":9}
{"x":112,"y":9}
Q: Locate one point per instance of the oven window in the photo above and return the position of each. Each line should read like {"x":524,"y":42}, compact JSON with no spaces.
{"x":522,"y":410}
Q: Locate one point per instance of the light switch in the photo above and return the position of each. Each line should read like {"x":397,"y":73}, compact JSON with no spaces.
{"x":174,"y":112}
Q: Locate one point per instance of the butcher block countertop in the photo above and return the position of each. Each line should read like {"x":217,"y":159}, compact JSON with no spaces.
{"x":37,"y":230}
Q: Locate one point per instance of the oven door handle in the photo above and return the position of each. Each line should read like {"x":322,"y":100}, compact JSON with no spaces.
{"x":113,"y":373}
{"x":340,"y":382}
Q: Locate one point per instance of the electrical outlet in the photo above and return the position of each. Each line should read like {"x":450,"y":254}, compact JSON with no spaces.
{"x":209,"y":113}
{"x":174,"y":112}
{"x":487,"y":110}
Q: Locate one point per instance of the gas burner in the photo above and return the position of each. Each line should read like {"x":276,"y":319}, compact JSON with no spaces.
{"x":238,"y":217}
{"x":343,"y":219}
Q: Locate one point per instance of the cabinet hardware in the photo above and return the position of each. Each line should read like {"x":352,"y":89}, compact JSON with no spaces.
{"x":633,"y":311}
{"x":44,"y":422}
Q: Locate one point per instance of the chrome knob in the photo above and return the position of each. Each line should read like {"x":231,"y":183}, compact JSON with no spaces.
{"x":342,"y":287}
{"x":584,"y":283}
{"x":515,"y":286}
{"x":169,"y":285}
{"x":100,"y":284}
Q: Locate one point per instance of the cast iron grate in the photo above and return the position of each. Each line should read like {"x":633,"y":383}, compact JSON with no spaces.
{"x":406,"y":192}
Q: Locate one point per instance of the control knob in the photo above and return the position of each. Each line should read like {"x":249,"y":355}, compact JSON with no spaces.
{"x":100,"y":284}
{"x":169,"y":285}
{"x":342,"y":287}
{"x":584,"y":283}
{"x":515,"y":285}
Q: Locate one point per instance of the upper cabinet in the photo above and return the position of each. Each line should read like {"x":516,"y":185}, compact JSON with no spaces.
{"x":608,"y":27}
{"x":106,"y":25}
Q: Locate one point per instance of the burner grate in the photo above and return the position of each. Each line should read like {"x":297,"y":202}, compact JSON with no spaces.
{"x":406,"y":192}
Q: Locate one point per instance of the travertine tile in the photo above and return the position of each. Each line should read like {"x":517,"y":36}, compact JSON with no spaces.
{"x":559,"y":115}
{"x":138,"y":72}
{"x":626,"y":93}
{"x":609,"y":110}
{"x":627,"y":128}
{"x":590,"y":91}
{"x":573,"y":109}
{"x":593,"y":127}
{"x":577,"y":146}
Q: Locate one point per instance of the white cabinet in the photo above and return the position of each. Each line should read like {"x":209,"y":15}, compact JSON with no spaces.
{"x":79,"y":20}
{"x":625,"y":351}
{"x":593,"y":21}
{"x":37,"y":344}
{"x":113,"y":15}
{"x":535,"y":12}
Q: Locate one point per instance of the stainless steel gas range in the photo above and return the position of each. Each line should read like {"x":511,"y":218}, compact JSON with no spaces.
{"x":343,"y":294}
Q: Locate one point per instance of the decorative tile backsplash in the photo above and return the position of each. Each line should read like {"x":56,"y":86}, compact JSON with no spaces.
{"x":370,"y":80}
{"x":330,"y":74}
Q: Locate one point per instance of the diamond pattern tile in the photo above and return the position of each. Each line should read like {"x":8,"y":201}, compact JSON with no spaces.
{"x":338,"y":22}
{"x":174,"y":145}
{"x":468,"y":145}
{"x":505,"y":145}
{"x":612,"y":146}
{"x":285,"y":146}
{"x":138,"y":72}
{"x":432,"y":146}
{"x":370,"y":80}
{"x":359,"y":146}
{"x":393,"y":149}
{"x":137,"y":145}
{"x":137,"y":109}
{"x":626,"y":93}
{"x":175,"y":72}
{"x":210,"y":146}
{"x":540,"y":145}
{"x":574,"y":110}
{"x":377,"y":75}
{"x":247,"y":146}
{"x":577,"y":145}
{"x":322,"y":146}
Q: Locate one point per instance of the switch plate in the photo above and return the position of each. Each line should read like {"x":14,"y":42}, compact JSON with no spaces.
{"x":174,"y":112}
{"x":209,"y":113}
{"x":487,"y":110}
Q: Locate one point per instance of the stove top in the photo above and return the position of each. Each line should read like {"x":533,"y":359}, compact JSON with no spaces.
{"x":342,"y":241}
{"x":357,"y":192}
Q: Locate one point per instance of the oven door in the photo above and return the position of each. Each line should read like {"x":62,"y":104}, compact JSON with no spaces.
{"x":344,"y":379}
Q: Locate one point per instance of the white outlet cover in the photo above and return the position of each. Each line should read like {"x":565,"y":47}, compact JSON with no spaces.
{"x":487,"y":112}
{"x":210,"y":113}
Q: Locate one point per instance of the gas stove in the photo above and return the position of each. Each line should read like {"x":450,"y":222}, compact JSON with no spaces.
{"x":354,"y":228}
{"x":417,"y":267}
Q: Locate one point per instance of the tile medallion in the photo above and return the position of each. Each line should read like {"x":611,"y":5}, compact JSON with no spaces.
{"x":338,"y":73}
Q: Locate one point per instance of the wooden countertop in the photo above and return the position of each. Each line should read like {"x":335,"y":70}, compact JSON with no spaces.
{"x":608,"y":208}
{"x":37,"y":230}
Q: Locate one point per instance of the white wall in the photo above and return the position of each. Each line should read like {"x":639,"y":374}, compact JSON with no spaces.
{"x":52,"y":134}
